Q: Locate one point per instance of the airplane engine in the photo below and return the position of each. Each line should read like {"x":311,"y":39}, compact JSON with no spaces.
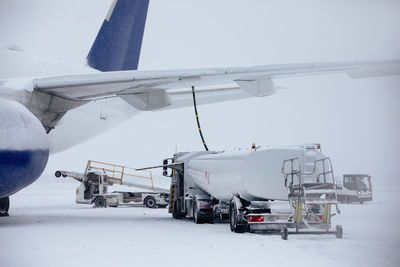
{"x":24,"y":148}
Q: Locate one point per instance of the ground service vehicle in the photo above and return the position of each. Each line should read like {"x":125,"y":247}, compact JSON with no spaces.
{"x":98,"y":176}
{"x":245,"y":186}
{"x":355,"y":188}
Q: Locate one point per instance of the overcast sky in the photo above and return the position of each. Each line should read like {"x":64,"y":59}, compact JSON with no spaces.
{"x":356,"y":121}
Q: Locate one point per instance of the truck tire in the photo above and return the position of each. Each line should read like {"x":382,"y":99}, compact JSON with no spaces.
{"x":176,"y":214}
{"x":150,"y":202}
{"x":234,"y":219}
{"x":197,"y":218}
{"x":4,"y":206}
{"x":284,"y":232}
{"x":339,"y":231}
{"x":223,"y":217}
{"x":100,"y":202}
{"x":175,"y":211}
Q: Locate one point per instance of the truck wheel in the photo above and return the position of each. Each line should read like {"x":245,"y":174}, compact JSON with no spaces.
{"x":284,"y":232}
{"x":4,"y":206}
{"x":234,"y":218}
{"x":150,"y":202}
{"x":175,"y":210}
{"x":339,"y":231}
{"x":224,"y":217}
{"x":176,"y":214}
{"x":196,"y":215}
{"x":100,"y":202}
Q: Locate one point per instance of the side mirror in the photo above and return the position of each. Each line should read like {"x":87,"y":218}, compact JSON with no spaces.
{"x":165,"y":162}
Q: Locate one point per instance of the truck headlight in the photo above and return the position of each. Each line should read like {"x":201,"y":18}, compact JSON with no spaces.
{"x":359,"y":192}
{"x":369,"y":192}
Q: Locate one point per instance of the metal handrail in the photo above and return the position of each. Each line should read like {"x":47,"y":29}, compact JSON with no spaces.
{"x":115,"y":171}
{"x":292,"y":173}
{"x":299,"y":173}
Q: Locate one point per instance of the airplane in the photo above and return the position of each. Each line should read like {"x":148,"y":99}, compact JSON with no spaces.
{"x":53,"y":108}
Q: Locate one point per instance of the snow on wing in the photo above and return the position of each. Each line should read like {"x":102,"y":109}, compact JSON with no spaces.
{"x":163,"y":87}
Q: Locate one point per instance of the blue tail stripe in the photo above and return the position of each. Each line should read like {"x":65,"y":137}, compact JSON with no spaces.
{"x":119,"y":41}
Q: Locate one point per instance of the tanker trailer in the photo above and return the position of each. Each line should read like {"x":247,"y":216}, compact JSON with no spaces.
{"x":241,"y":185}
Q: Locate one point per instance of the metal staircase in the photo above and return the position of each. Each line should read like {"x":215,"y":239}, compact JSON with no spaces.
{"x":311,"y":194}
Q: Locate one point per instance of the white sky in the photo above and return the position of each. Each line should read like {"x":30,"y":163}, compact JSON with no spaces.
{"x":356,"y":121}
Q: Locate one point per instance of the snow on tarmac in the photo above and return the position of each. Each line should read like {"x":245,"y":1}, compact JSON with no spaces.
{"x":47,"y":228}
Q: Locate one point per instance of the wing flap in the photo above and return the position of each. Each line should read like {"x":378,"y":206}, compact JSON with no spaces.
{"x":150,"y":100}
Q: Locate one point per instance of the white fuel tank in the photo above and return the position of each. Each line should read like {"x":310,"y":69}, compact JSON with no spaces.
{"x":254,"y":174}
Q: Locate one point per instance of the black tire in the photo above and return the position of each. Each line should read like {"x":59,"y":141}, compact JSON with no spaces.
{"x":339,"y":231}
{"x":150,"y":202}
{"x":233,"y":219}
{"x":361,"y":202}
{"x":57,"y":174}
{"x":4,"y":206}
{"x":198,"y":218}
{"x":284,"y":232}
{"x":100,"y":202}
{"x":176,"y":214}
{"x":175,"y":211}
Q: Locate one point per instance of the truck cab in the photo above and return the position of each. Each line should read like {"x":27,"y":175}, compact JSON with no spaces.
{"x":355,"y":188}
{"x":95,"y":184}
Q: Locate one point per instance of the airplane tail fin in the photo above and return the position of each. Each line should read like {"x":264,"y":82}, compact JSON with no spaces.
{"x":119,"y":41}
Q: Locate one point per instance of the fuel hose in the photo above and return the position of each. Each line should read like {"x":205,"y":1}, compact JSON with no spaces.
{"x":197,"y":119}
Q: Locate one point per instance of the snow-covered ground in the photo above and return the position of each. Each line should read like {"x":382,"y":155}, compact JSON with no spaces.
{"x":47,"y":228}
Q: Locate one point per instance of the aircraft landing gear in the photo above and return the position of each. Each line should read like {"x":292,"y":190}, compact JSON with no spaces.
{"x":4,"y":206}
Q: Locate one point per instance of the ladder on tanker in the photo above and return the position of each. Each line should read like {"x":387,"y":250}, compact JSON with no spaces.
{"x":311,"y":195}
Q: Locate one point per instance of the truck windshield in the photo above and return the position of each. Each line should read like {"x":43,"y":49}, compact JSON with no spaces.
{"x":357,"y":183}
{"x":93,"y":177}
{"x":363,"y":183}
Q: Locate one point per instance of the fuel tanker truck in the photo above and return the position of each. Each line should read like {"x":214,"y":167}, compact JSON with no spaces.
{"x":243,"y":186}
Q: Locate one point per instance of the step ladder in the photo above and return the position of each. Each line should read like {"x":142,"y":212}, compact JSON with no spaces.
{"x":311,"y":194}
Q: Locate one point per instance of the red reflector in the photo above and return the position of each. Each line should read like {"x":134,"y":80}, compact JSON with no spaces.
{"x":205,"y":206}
{"x":256,"y":218}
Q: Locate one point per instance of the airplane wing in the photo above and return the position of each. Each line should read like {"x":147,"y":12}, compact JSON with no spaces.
{"x":155,"y":90}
